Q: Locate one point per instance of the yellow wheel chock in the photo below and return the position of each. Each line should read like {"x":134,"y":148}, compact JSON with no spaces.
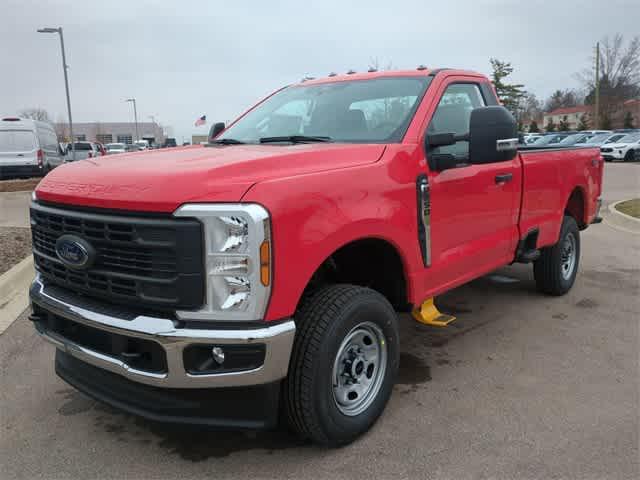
{"x":430,"y":315}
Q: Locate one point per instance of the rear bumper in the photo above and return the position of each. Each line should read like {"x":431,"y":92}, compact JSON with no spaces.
{"x":105,"y":336}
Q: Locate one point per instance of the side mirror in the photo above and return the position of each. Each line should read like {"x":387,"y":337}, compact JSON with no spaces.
{"x":493,"y":135}
{"x":216,"y":128}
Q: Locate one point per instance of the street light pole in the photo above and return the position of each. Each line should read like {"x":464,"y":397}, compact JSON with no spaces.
{"x":66,"y":83}
{"x":135,"y":115}
{"x":597,"y":89}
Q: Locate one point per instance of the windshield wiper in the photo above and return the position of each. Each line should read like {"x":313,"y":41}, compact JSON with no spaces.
{"x":295,"y":139}
{"x":227,"y":141}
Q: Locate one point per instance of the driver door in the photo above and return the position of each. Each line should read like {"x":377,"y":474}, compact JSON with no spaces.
{"x":473,"y":224}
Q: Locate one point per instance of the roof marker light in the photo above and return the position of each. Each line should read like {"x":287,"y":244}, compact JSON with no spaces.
{"x":351,"y":72}
{"x":421,"y":67}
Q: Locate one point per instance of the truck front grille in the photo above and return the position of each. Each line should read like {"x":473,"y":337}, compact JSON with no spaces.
{"x":152,"y":262}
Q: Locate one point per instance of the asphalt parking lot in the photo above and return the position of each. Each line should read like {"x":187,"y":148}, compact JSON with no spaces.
{"x":520,"y":386}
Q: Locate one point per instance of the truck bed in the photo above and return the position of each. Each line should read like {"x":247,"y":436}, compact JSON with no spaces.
{"x":550,"y":177}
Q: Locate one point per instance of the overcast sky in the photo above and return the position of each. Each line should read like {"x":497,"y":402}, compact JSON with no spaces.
{"x":184,"y":59}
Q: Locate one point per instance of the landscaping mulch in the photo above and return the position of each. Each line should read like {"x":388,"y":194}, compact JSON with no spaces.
{"x":630,"y":207}
{"x":15,"y":244}
{"x":19,"y":185}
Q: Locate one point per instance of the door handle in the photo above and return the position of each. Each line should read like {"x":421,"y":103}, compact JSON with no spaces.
{"x":504,"y":177}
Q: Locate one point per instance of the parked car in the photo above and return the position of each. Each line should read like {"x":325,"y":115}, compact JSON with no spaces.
{"x":113,"y":148}
{"x":529,"y":138}
{"x":260,"y":275}
{"x":27,"y":148}
{"x":604,"y":138}
{"x":549,"y":139}
{"x":83,"y":149}
{"x":169,"y":142}
{"x":142,"y":144}
{"x":596,"y":132}
{"x":625,"y":149}
{"x":575,"y":139}
{"x":100,"y":147}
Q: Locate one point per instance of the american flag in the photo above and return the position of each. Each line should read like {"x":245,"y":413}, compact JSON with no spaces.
{"x":201,"y":121}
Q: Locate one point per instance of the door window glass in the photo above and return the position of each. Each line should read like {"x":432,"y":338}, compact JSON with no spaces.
{"x":453,"y":114}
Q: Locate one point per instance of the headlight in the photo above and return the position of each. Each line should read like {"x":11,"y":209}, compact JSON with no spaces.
{"x":237,"y":257}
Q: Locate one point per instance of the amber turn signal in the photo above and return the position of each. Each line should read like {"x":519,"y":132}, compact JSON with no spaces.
{"x":265,"y":263}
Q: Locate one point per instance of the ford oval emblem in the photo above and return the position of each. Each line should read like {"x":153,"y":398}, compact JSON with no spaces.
{"x":74,"y":252}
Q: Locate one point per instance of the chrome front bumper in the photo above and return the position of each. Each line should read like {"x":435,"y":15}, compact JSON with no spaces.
{"x":277,"y":339}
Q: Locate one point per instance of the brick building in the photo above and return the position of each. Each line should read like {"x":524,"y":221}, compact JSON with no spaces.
{"x":616,"y":113}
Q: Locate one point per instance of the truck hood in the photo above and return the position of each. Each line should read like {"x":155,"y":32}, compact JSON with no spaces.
{"x":162,"y":180}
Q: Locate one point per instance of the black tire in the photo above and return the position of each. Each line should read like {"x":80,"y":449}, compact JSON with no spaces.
{"x":629,"y":156}
{"x":325,"y":319}
{"x":549,"y":270}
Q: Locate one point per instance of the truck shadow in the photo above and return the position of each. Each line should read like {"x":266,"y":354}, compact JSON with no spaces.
{"x":470,"y":303}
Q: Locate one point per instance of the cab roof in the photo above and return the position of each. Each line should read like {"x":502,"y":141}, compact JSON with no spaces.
{"x":419,"y":72}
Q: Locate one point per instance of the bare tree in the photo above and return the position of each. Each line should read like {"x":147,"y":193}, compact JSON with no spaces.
{"x":562,"y":99}
{"x":35,"y":114}
{"x":374,"y":64}
{"x":619,"y":68}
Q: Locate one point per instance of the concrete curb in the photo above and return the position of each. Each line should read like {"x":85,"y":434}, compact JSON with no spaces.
{"x":620,"y":221}
{"x":14,"y":291}
{"x":613,"y":209}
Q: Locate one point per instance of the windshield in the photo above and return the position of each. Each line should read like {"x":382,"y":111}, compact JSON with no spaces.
{"x":631,"y":138}
{"x":377,"y":110}
{"x":81,"y":146}
{"x":599,"y":138}
{"x":114,"y":146}
{"x":571,"y":139}
{"x":17,"y":141}
{"x":547,"y":139}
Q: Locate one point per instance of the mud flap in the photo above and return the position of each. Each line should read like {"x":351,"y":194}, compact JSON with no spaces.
{"x":430,"y":315}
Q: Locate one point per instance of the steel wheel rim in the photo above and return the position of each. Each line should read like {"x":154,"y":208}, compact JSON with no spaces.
{"x":359,"y":369}
{"x":568,"y":256}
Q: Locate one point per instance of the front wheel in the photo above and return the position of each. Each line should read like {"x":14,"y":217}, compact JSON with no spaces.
{"x":343,"y":365}
{"x":556,"y":268}
{"x":629,"y":156}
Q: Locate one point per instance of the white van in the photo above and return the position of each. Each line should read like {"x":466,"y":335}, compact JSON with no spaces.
{"x":27,"y":148}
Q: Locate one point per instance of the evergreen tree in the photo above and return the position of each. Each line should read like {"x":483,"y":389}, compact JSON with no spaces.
{"x":509,"y":94}
{"x":551,"y":127}
{"x":563,"y":126}
{"x":533,"y":127}
{"x":584,"y":122}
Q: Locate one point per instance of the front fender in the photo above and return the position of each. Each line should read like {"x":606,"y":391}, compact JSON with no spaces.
{"x":315,"y":215}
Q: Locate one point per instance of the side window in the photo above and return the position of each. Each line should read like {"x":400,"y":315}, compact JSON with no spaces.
{"x":453,"y":114}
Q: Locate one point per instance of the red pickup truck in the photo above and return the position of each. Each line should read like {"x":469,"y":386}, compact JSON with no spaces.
{"x":258,"y":278}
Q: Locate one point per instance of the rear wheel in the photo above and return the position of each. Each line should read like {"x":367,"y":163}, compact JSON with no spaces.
{"x":556,"y":268}
{"x":343,"y":365}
